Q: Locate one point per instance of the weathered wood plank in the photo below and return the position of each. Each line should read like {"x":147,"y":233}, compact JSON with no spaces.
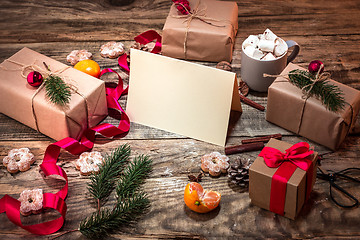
{"x":97,"y":20}
{"x":236,"y":217}
{"x":326,"y":30}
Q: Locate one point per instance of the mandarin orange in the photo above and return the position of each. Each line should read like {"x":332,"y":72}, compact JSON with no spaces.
{"x":88,"y":66}
{"x":200,"y":200}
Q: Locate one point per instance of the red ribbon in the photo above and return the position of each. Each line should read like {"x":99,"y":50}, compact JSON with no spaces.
{"x":57,"y":201}
{"x":293,"y":158}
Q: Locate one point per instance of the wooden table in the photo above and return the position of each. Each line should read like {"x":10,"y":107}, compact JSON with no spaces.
{"x":326,"y":30}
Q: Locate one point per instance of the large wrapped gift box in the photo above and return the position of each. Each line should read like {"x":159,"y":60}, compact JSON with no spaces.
{"x":287,"y":108}
{"x":24,"y":103}
{"x":297,"y":187}
{"x":207,"y":35}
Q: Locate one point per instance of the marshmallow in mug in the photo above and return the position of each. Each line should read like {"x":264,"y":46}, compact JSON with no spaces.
{"x":266,"y":46}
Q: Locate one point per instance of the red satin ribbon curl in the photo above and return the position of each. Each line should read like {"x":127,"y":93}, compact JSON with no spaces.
{"x":293,"y":158}
{"x":57,"y":201}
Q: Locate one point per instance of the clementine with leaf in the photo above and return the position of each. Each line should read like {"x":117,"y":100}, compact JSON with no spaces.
{"x":200,"y":200}
{"x":88,"y":66}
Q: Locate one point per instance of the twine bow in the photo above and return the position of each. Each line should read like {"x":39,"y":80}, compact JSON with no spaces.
{"x":200,"y":14}
{"x":306,"y":90}
{"x":319,"y":77}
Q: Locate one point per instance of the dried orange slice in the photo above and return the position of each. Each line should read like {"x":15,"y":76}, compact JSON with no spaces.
{"x":200,"y":200}
{"x":88,"y":66}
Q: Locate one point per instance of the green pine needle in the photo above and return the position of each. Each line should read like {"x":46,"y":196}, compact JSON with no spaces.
{"x":330,"y":95}
{"x":102,"y":183}
{"x":130,"y":203}
{"x":57,"y":90}
{"x":134,"y":175}
{"x":99,"y":225}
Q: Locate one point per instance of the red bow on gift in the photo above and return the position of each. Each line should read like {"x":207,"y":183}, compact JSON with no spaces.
{"x":295,"y":154}
{"x":293,"y":158}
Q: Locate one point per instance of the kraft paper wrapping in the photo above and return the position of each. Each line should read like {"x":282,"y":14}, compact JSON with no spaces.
{"x":315,"y":122}
{"x":204,"y":42}
{"x":54,"y":121}
{"x":261,"y":175}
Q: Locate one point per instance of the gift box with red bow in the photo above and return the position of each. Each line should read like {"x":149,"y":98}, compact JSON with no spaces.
{"x":282,"y":177}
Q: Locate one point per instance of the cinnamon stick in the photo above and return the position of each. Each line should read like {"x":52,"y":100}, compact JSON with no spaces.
{"x":261,"y":139}
{"x":251,"y":103}
{"x":244,"y":148}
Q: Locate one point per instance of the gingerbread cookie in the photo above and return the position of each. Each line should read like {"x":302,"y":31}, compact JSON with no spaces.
{"x":112,"y":50}
{"x":18,"y":159}
{"x":78,"y":55}
{"x":31,"y":202}
{"x":89,"y":162}
{"x":214,"y":163}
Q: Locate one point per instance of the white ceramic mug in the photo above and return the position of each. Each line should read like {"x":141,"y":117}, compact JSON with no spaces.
{"x":252,"y":69}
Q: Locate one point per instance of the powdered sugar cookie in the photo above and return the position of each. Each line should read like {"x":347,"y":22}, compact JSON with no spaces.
{"x":112,"y":49}
{"x":89,"y":162}
{"x":31,"y":202}
{"x":78,"y":55}
{"x":214,"y":163}
{"x":18,"y":160}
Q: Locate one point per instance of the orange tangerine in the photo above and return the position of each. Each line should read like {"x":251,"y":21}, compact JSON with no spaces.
{"x":88,"y":66}
{"x":200,"y":200}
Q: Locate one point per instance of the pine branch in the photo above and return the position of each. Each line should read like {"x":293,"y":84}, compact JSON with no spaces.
{"x":134,"y":175}
{"x":57,"y":90}
{"x":102,"y":183}
{"x":330,"y":95}
{"x":99,"y":225}
{"x":130,"y":203}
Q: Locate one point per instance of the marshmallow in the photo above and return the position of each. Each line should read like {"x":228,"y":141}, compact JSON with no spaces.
{"x":258,"y":54}
{"x":252,"y":40}
{"x":269,"y":56}
{"x":268,"y":35}
{"x":266,"y":45}
{"x":249,"y":50}
{"x":280,"y":47}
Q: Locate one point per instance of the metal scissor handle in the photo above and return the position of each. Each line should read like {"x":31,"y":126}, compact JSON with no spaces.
{"x":331,"y":178}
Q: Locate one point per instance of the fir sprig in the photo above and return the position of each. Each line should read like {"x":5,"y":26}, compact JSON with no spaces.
{"x":57,"y":90}
{"x":102,"y":183}
{"x":134,"y":175}
{"x":99,"y":225}
{"x":330,"y":95}
{"x":131,"y":202}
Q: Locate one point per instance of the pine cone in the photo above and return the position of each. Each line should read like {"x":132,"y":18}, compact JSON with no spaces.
{"x":238,"y":172}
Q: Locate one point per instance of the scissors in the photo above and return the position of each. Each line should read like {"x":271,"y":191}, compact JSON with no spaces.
{"x":332,"y":176}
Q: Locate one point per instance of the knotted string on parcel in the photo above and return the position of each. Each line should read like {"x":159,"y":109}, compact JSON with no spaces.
{"x":46,"y":72}
{"x":308,"y":91}
{"x":200,"y":14}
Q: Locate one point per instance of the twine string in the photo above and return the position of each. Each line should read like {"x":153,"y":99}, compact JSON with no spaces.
{"x":319,"y":77}
{"x":47,"y":72}
{"x":200,"y":14}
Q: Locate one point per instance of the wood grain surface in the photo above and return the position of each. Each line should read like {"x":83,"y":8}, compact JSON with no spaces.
{"x":327,"y":30}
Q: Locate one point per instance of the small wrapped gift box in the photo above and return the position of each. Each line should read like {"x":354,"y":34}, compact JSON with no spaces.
{"x":287,"y":108}
{"x":206,"y":34}
{"x":30,"y":106}
{"x":282,"y":177}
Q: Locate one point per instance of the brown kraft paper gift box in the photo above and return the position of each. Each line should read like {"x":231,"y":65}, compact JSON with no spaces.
{"x":52,"y":120}
{"x":315,"y":122}
{"x":260,"y":177}
{"x":211,"y":39}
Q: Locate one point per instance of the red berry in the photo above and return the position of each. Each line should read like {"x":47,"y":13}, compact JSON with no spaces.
{"x":184,"y":8}
{"x":315,"y":65}
{"x":35,"y":79}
